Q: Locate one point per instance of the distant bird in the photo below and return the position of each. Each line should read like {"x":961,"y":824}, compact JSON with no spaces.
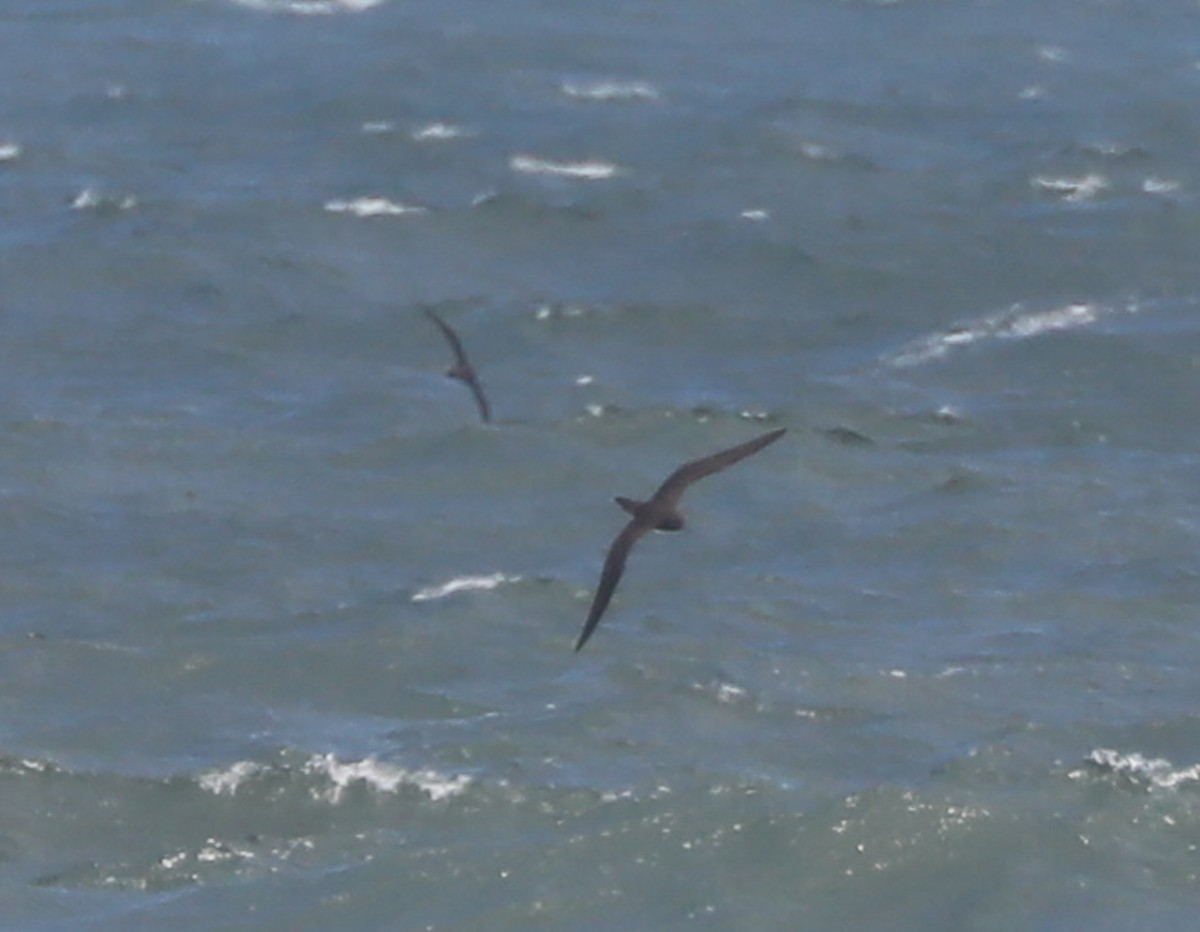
{"x":462,"y":368}
{"x":660,"y":513}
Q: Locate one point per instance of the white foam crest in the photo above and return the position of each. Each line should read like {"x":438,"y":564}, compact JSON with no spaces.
{"x":439,"y":132}
{"x":1052,"y":53}
{"x":1154,"y":771}
{"x":9,"y":151}
{"x":818,"y":151}
{"x":1030,"y":325}
{"x":1152,"y":185}
{"x":593,"y":170}
{"x":380,"y":777}
{"x":309,"y":7}
{"x":1017,"y":323}
{"x":1073,"y":190}
{"x":462,"y":584}
{"x":226,"y":782}
{"x":372,"y":207}
{"x":91,"y":199}
{"x":610,"y":90}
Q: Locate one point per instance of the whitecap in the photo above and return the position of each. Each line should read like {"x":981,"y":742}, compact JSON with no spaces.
{"x":1153,"y":185}
{"x":818,"y":152}
{"x":438,"y":132}
{"x":378,"y":127}
{"x":372,"y":207}
{"x":462,"y":584}
{"x":1154,"y":771}
{"x":1073,"y":190}
{"x":214,"y":852}
{"x":226,"y":782}
{"x":381,"y":777}
{"x":91,"y":199}
{"x":309,"y":7}
{"x":9,"y":151}
{"x":1017,"y":323}
{"x":1030,"y":325}
{"x":1052,"y":53}
{"x":610,"y":90}
{"x":755,"y":213}
{"x":593,"y":170}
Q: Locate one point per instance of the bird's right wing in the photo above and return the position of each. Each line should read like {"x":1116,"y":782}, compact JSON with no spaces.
{"x":688,"y":473}
{"x":460,"y":355}
{"x":485,"y":410}
{"x":614,"y":566}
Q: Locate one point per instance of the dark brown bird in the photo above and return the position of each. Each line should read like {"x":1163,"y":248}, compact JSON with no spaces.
{"x":462,"y":368}
{"x":660,"y":513}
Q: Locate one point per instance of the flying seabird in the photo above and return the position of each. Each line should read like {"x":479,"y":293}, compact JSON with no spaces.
{"x":659,"y":513}
{"x":462,"y":368}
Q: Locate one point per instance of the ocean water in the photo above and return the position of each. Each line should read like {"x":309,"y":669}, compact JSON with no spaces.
{"x":286,"y":632}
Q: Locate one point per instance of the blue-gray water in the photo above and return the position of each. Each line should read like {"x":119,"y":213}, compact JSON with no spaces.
{"x":285,"y":632}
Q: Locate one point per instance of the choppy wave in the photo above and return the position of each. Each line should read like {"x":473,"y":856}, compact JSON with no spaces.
{"x":309,"y":7}
{"x":101,"y":202}
{"x":227,"y":822}
{"x":380,"y":777}
{"x":1073,"y":189}
{"x":438,"y":132}
{"x":1016,"y":323}
{"x":373,"y":207}
{"x":329,"y":778}
{"x":462,"y":584}
{"x":610,"y":90}
{"x":1154,"y":185}
{"x":1151,"y":772}
{"x":590,"y":170}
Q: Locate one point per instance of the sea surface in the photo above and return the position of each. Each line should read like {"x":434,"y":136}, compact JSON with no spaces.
{"x":286,"y":632}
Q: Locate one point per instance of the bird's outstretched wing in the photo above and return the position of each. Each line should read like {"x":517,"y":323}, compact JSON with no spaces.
{"x":659,"y":511}
{"x":460,"y":355}
{"x":462,"y":368}
{"x":669,"y":492}
{"x":485,"y":410}
{"x":614,"y":566}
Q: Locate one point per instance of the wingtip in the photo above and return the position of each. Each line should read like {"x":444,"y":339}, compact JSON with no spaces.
{"x":584,"y":636}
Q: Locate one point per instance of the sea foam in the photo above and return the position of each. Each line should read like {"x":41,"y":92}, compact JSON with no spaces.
{"x":309,"y":7}
{"x":462,"y":584}
{"x":372,"y":207}
{"x":592,"y":170}
{"x":380,"y":777}
{"x":1016,"y":323}
{"x":1153,"y":772}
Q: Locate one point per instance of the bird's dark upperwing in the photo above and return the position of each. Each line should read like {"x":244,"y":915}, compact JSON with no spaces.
{"x":462,"y":369}
{"x":460,"y":355}
{"x":669,"y":492}
{"x":472,"y":380}
{"x":614,"y":566}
